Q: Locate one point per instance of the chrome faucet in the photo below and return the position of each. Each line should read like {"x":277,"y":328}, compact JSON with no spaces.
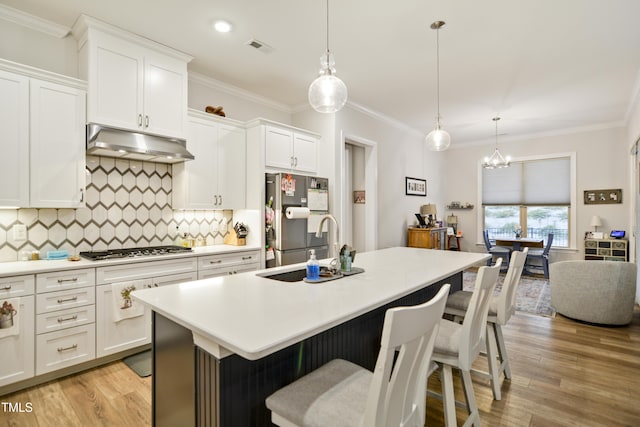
{"x":335,"y":261}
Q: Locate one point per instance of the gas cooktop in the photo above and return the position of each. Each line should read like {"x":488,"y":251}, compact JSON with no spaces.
{"x":133,"y":252}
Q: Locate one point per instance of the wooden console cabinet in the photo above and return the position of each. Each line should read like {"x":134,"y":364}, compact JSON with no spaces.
{"x":428,"y":238}
{"x":606,"y":249}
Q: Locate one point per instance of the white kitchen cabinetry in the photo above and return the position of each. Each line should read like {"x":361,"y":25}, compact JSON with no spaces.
{"x":290,"y":149}
{"x":216,"y":179}
{"x":113,"y":337}
{"x":17,"y":360}
{"x":65,"y":316}
{"x":42,"y":137}
{"x":226,"y":264}
{"x":134,"y":83}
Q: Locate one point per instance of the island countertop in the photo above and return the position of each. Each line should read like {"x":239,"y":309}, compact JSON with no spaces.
{"x":254,"y":316}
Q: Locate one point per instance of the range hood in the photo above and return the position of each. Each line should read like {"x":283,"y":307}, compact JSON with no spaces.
{"x":112,"y":142}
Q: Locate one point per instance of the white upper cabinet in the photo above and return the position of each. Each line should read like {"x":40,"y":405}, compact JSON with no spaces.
{"x":58,"y":157}
{"x":290,"y":149}
{"x":42,"y":137}
{"x":216,"y":179}
{"x":14,"y":139}
{"x":134,"y":83}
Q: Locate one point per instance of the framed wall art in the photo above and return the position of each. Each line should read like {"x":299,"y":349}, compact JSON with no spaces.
{"x":601,"y":197}
{"x":415,"y":186}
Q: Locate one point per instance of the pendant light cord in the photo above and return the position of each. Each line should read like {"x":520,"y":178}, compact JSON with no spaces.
{"x":437,"y":72}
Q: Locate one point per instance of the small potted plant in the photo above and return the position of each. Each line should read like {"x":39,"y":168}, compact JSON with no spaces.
{"x":6,"y":315}
{"x":126,"y":296}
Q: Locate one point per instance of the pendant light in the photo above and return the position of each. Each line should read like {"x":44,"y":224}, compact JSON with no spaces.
{"x":496,"y":161}
{"x":438,"y":139}
{"x":327,"y":93}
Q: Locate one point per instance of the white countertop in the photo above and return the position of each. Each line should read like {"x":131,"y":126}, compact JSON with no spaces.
{"x":254,"y":316}
{"x":43,"y":266}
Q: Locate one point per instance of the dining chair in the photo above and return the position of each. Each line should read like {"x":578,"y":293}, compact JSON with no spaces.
{"x":458,"y":345}
{"x":540,"y":255}
{"x":498,"y":251}
{"x":341,"y":393}
{"x":501,"y":308}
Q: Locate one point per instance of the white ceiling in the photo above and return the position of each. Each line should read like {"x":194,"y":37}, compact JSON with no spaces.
{"x":543,"y":66}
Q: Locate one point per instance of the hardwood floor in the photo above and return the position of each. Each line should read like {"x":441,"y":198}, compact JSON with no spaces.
{"x":565,"y":373}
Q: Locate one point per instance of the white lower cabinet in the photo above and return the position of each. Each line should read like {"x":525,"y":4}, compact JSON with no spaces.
{"x":65,"y":319}
{"x":114,"y":336}
{"x":67,"y":347}
{"x":17,"y":356}
{"x":225,"y":264}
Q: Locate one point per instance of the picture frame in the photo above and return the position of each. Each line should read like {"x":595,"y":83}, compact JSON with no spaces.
{"x":597,"y":235}
{"x":359,"y":197}
{"x":602,"y":197}
{"x":415,"y":186}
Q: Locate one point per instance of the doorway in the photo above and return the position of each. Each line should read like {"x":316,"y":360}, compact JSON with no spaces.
{"x":359,"y":189}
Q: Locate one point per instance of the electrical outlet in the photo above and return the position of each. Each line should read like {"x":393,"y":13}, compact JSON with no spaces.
{"x":19,"y":232}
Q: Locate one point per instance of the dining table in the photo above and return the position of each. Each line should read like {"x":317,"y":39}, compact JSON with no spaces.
{"x":517,"y":243}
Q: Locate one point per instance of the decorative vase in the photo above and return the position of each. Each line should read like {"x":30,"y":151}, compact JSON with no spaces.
{"x":518,"y":234}
{"x":6,"y":320}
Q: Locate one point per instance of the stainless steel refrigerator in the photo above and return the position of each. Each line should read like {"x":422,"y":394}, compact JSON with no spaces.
{"x":289,"y":241}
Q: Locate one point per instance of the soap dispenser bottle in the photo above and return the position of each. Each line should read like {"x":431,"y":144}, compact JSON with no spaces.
{"x":313,"y":267}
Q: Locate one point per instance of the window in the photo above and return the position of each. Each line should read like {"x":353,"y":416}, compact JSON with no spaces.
{"x":533,"y":194}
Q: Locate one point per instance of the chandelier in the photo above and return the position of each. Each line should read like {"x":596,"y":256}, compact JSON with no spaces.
{"x":496,"y":161}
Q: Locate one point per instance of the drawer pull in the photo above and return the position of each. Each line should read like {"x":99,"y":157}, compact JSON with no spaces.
{"x":74,"y":279}
{"x":7,"y":288}
{"x":72,"y":347}
{"x":244,"y":258}
{"x":61,"y":300}
{"x":215,"y":262}
{"x":66,"y":319}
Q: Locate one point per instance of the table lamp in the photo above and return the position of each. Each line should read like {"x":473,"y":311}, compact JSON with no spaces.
{"x":596,"y":222}
{"x":429,"y":211}
{"x":452,"y":221}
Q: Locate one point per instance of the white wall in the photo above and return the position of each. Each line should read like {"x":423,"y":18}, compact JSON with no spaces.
{"x":29,"y":47}
{"x":237,"y":103}
{"x":602,"y":162}
{"x":401,"y":153}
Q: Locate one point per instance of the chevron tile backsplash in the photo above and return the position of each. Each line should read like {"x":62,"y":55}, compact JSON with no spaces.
{"x":128,"y":205}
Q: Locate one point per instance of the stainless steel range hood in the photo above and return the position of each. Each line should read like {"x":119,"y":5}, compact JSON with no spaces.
{"x":111,"y":142}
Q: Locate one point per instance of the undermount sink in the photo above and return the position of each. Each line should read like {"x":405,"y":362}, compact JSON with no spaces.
{"x":300,"y":275}
{"x":287,"y":276}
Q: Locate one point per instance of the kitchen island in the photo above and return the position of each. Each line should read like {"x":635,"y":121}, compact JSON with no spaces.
{"x":222,"y":345}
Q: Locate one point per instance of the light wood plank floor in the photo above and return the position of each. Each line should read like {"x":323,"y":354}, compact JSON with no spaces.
{"x":565,"y":373}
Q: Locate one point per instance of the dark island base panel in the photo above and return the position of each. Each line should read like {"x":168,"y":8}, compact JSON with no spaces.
{"x":232,"y":391}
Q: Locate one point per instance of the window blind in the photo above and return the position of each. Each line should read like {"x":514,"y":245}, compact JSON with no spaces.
{"x":533,"y":182}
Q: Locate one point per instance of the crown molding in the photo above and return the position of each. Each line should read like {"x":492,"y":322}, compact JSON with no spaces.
{"x":538,"y":135}
{"x":33,"y":22}
{"x":239,"y":92}
{"x":384,"y":118}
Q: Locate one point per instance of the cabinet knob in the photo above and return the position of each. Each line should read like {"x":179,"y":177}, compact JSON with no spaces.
{"x":220,"y":199}
{"x":146,"y":121}
{"x":139,"y":120}
{"x":74,"y":279}
{"x":71,"y":347}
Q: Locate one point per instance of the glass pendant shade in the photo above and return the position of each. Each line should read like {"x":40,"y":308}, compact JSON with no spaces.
{"x":327,"y":93}
{"x":438,"y":139}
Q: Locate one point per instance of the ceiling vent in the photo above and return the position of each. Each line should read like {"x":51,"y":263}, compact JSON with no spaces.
{"x":258,"y":45}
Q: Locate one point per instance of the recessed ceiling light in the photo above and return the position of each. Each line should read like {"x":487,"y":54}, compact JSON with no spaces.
{"x":222,"y":26}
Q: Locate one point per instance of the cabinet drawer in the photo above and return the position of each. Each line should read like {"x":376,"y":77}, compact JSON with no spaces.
{"x":64,"y":319}
{"x":61,"y":280}
{"x":68,"y":347}
{"x":225,"y":271}
{"x":144,"y":270}
{"x":54,"y":301}
{"x":619,"y":245}
{"x":227,"y":260}
{"x":590,"y":244}
{"x":16,"y":286}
